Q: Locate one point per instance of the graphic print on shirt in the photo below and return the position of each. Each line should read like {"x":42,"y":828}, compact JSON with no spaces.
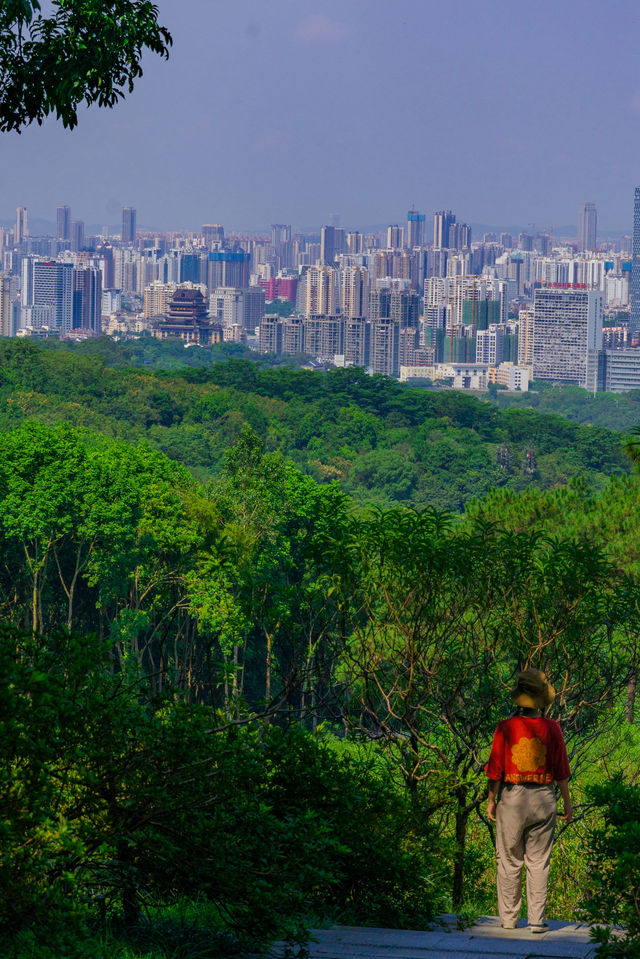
{"x":528,"y":754}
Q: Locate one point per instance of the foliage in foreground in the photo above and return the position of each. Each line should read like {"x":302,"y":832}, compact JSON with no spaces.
{"x":113,"y":802}
{"x":614,"y":883}
{"x":82,"y":50}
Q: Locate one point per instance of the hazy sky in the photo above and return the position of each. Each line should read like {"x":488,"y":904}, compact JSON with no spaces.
{"x":293,"y":110}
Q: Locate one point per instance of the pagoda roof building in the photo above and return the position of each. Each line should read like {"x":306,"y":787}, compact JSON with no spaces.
{"x":187,"y":318}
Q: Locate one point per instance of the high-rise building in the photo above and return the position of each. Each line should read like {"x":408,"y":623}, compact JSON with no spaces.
{"x":232,"y":307}
{"x":53,"y":287}
{"x":385,"y":347}
{"x":26,"y":280}
{"x":392,"y":311}
{"x":157,"y":296}
{"x":21,"y":231}
{"x":634,"y":322}
{"x":567,"y":323}
{"x":280,"y":233}
{"x":401,"y":306}
{"x":328,"y":245}
{"x":212,"y":233}
{"x":395,"y":237}
{"x":6,"y":310}
{"x":442,"y":222}
{"x":128,"y":224}
{"x":189,"y":268}
{"x":270,"y":334}
{"x":292,"y":335}
{"x":228,"y":268}
{"x":355,"y":242}
{"x":459,"y":236}
{"x":77,"y":235}
{"x":525,"y":338}
{"x":63,"y":221}
{"x":321,"y":291}
{"x":354,"y":282}
{"x":280,"y":288}
{"x":87,"y":299}
{"x":357,"y":342}
{"x":107,"y":265}
{"x":324,"y":337}
{"x":587,"y":227}
{"x":415,"y":229}
{"x":490,"y":345}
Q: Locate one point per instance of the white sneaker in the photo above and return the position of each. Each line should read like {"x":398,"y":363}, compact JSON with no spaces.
{"x":539,"y":928}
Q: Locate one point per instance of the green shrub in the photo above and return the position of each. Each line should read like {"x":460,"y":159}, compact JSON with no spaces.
{"x":613,"y":892}
{"x":113,"y":801}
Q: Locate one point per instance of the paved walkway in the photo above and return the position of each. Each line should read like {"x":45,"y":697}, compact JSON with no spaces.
{"x":485,"y":938}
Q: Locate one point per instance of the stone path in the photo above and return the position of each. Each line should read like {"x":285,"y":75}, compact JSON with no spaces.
{"x":485,"y":938}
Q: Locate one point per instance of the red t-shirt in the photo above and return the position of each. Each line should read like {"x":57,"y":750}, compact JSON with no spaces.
{"x":528,"y":749}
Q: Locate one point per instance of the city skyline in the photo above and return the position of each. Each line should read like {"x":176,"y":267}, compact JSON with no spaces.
{"x":41,"y":225}
{"x":475,"y":313}
{"x":298,"y":111}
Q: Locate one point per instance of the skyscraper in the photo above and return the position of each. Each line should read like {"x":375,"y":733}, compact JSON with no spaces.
{"x":442,"y":221}
{"x":324,"y":336}
{"x":228,"y":268}
{"x":77,"y":235}
{"x":63,"y":230}
{"x":415,"y":229}
{"x":395,"y":237}
{"x":355,"y":242}
{"x":21,"y":231}
{"x":231,"y":306}
{"x":87,"y":299}
{"x":53,"y":287}
{"x":321,"y":291}
{"x":587,"y":226}
{"x":282,"y":244}
{"x":634,"y":323}
{"x":354,"y":284}
{"x":129,"y":224}
{"x":328,"y":245}
{"x":357,"y":342}
{"x":6,"y":325}
{"x":394,"y":317}
{"x":213,"y":233}
{"x":280,"y":233}
{"x":567,"y":323}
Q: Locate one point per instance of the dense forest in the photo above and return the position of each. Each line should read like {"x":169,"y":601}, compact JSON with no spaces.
{"x":383,"y":444}
{"x":615,"y":411}
{"x":251,"y":665}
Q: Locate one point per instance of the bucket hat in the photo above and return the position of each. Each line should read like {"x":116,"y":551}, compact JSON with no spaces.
{"x":533,"y":690}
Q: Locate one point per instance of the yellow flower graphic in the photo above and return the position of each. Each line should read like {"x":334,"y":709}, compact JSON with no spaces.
{"x":529,"y":754}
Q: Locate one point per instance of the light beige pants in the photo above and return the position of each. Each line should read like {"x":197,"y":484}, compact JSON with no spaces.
{"x":526,"y":817}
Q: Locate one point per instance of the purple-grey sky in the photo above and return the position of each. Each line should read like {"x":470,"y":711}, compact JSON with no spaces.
{"x":292,"y":110}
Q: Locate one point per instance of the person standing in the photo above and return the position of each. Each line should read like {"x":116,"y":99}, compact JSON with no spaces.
{"x":527,"y":757}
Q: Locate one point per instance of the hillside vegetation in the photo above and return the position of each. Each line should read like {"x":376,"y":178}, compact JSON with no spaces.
{"x":384,"y":444}
{"x":615,"y":411}
{"x":244,"y":689}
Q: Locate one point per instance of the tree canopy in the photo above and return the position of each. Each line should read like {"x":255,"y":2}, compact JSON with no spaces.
{"x":87,"y":50}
